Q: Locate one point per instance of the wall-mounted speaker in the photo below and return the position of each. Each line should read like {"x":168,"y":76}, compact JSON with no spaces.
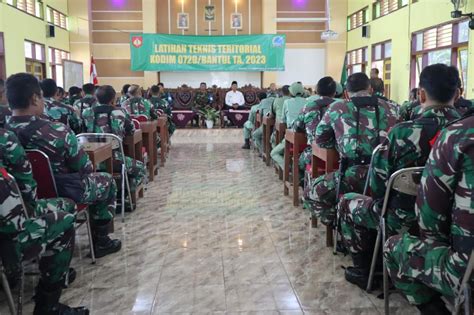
{"x":366,"y":31}
{"x":50,"y":31}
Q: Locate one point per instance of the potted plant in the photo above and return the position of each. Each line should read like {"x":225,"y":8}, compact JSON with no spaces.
{"x":210,"y":116}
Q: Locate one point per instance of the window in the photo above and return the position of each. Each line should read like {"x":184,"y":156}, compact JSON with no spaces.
{"x":32,"y":7}
{"x":384,"y":7}
{"x":56,"y":57}
{"x":356,"y":60}
{"x":357,"y":19}
{"x":446,"y":43}
{"x":35,"y":59}
{"x":56,"y":18}
{"x":381,"y":59}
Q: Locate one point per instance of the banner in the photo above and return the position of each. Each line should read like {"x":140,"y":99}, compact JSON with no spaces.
{"x":161,"y":52}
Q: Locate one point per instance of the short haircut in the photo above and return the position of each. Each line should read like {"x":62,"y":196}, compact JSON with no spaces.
{"x":377,"y":85}
{"x":74,"y":90}
{"x":125,"y":88}
{"x":155,"y":89}
{"x":105,"y":94}
{"x":20,"y":89}
{"x":285,"y":90}
{"x":375,"y":70}
{"x":49,"y":87}
{"x":357,"y":82}
{"x":326,"y":87}
{"x":161,"y":84}
{"x":440,"y":82}
{"x":61,"y":90}
{"x":88,"y":88}
{"x":203,"y":83}
{"x":262,"y":95}
{"x":133,"y":89}
{"x":234,"y":82}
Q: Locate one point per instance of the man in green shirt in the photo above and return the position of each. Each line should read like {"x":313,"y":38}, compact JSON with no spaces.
{"x":277,"y":109}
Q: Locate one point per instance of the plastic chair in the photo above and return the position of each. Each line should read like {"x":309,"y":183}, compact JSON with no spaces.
{"x":140,"y":118}
{"x":463,"y":295}
{"x":116,"y":145}
{"x":44,"y":176}
{"x":402,"y":181}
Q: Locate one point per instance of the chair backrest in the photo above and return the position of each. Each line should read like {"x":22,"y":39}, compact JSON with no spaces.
{"x":103,"y":137}
{"x":43,"y":174}
{"x":405,"y":181}
{"x":140,"y":118}
{"x":367,"y":181}
{"x":136,"y":123}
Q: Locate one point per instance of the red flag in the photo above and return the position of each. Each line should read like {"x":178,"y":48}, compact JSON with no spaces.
{"x":93,"y":72}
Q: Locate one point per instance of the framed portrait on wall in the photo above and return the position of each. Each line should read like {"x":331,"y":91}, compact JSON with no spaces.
{"x":209,"y":13}
{"x":236,"y":21}
{"x":183,"y":21}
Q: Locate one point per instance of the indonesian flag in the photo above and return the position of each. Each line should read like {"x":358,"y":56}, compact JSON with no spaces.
{"x":93,"y":72}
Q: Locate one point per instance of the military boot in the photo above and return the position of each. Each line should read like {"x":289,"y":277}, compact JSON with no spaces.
{"x":434,"y":307}
{"x":246,"y":145}
{"x":103,"y":244}
{"x":47,"y":302}
{"x":359,"y":274}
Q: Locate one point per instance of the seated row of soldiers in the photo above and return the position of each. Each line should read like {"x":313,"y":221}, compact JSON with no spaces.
{"x":32,"y":122}
{"x":431,"y":235}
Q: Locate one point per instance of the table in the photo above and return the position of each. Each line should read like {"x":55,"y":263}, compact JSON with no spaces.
{"x":164,"y":136}
{"x":237,"y":117}
{"x":267,"y":126}
{"x":330,"y":158}
{"x":99,"y":152}
{"x":295,"y":140}
{"x":150,"y":135}
{"x":182,"y":117}
{"x":132,"y":145}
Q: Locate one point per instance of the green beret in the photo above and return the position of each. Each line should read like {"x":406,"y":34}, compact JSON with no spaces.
{"x":297,"y":88}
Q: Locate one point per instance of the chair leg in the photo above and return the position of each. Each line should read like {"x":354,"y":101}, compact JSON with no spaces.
{"x":8,"y":293}
{"x":89,"y":235}
{"x":386,"y":295}
{"x":467,"y":300}
{"x":123,"y":192}
{"x":21,"y":290}
{"x":374,"y":259}
{"x":127,"y":182}
{"x":335,"y":237}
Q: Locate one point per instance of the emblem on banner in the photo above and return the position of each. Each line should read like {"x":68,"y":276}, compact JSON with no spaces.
{"x":137,"y":41}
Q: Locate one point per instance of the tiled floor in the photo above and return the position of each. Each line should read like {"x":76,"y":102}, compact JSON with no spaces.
{"x":215,"y":234}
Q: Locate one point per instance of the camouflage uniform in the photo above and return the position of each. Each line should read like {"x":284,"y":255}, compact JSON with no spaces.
{"x":48,"y":231}
{"x":118,"y":123}
{"x":277,"y":110}
{"x":67,"y":157}
{"x":291,"y":109}
{"x":406,"y":110}
{"x":310,"y":116}
{"x":407,"y":145}
{"x":354,"y":138}
{"x":139,"y":106}
{"x":83,"y":103}
{"x":436,"y":260}
{"x":121,"y":100}
{"x":4,"y":113}
{"x":201,"y":100}
{"x":265,"y":108}
{"x":160,"y":104}
{"x":249,"y":125}
{"x":59,"y":112}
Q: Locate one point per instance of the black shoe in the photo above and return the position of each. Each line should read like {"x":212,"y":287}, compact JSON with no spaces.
{"x":103,"y":244}
{"x":360,"y":277}
{"x":71,"y":276}
{"x":47,"y":302}
{"x":434,"y":307}
{"x":246,"y":146}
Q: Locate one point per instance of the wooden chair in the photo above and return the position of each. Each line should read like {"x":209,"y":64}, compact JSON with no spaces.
{"x":267,"y":124}
{"x":329,"y":158}
{"x":294,"y":142}
{"x":280,"y":129}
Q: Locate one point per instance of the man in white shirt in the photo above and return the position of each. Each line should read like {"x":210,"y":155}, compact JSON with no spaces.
{"x":234,"y":99}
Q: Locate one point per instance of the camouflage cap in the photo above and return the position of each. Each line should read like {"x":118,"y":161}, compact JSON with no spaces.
{"x":297,"y":88}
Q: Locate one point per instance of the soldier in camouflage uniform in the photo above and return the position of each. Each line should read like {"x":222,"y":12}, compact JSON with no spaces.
{"x":162,"y":105}
{"x":265,"y":108}
{"x":354,"y":128}
{"x":88,"y":100}
{"x":277,"y":109}
{"x":57,"y":111}
{"x":69,"y":162}
{"x":407,"y":145}
{"x":75,"y":93}
{"x":201,"y":101}
{"x":106,"y":118}
{"x":433,"y":263}
{"x":4,"y":109}
{"x":309,"y":119}
{"x":378,"y":89}
{"x":48,"y":231}
{"x":137,"y":105}
{"x":291,"y":109}
{"x":249,"y":125}
{"x":406,"y":109}
{"x":124,"y":95}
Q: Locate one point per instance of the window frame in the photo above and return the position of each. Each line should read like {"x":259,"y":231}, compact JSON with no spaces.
{"x":364,"y":51}
{"x":400,"y":6}
{"x":53,"y":63}
{"x":3,"y":64}
{"x":51,"y":11}
{"x":37,"y":4}
{"x":365,"y":18}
